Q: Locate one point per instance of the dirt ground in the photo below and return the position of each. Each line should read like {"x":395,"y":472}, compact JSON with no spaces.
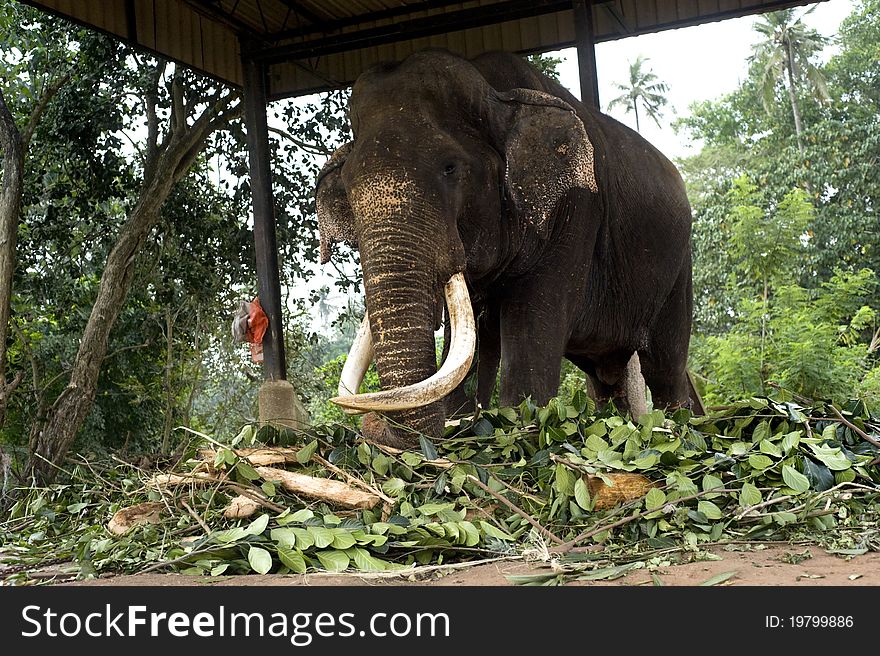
{"x":754,"y":564}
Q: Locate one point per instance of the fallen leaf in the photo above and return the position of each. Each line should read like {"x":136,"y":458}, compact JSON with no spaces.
{"x":719,"y":578}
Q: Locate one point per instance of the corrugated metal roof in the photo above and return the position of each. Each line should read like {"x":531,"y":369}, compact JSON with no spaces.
{"x":314,"y":45}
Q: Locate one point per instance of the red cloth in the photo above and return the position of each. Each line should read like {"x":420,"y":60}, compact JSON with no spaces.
{"x":257,"y":324}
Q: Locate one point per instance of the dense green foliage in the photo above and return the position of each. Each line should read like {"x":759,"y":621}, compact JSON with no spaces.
{"x":767,"y":469}
{"x":786,"y":247}
{"x":170,"y":360}
{"x":546,"y":64}
{"x":787,"y":244}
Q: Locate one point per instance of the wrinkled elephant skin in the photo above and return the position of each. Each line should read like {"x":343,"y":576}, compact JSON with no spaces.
{"x":572,"y":232}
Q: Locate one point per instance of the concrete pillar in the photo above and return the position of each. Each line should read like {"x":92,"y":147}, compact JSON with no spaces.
{"x":280,"y":407}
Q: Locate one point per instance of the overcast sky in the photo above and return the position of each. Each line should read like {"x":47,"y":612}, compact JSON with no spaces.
{"x":698,"y":63}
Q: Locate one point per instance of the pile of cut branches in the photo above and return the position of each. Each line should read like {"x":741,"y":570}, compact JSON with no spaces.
{"x":592,"y":491}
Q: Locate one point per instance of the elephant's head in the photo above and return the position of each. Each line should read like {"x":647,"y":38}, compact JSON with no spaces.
{"x":444,"y":176}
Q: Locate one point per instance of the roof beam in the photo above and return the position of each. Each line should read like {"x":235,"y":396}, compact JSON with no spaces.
{"x":213,"y":10}
{"x":328,"y":26}
{"x":131,"y":21}
{"x":613,"y":10}
{"x":412,"y":29}
{"x":302,"y":12}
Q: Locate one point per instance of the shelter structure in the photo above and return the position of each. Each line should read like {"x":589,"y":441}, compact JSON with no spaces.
{"x":273,"y":49}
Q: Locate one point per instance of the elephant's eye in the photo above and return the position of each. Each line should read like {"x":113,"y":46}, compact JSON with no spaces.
{"x":450,"y":169}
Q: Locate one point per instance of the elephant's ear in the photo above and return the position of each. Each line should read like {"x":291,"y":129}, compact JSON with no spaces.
{"x":335,"y":218}
{"x":548,"y":153}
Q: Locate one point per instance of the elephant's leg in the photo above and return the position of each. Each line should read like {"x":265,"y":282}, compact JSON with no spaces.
{"x":533,"y":337}
{"x":484,"y":370}
{"x":539,"y":311}
{"x":488,"y":353}
{"x":664,"y":361}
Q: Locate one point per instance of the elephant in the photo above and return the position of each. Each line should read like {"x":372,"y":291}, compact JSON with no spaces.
{"x":547,"y":229}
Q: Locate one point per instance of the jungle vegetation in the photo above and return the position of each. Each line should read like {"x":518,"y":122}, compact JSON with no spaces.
{"x":124,"y":224}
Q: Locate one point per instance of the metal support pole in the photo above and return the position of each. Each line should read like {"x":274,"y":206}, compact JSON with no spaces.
{"x":586,"y":50}
{"x":254,"y":78}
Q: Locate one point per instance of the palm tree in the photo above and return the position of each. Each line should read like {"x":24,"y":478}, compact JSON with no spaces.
{"x":643,"y":88}
{"x":784,"y":54}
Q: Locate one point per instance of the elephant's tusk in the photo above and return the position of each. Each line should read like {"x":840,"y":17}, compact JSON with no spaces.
{"x":356,"y":364}
{"x":454,"y":369}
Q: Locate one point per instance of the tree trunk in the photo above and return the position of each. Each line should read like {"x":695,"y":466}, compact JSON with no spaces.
{"x":165,"y":165}
{"x":49,"y":443}
{"x":10,"y":208}
{"x":766,"y":302}
{"x":792,"y":97}
{"x":194,"y":378}
{"x":169,"y":390}
{"x":636,"y":112}
{"x":15,"y":144}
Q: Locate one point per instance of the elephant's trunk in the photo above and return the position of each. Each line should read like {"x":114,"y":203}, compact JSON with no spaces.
{"x":404,"y":264}
{"x":460,"y":354}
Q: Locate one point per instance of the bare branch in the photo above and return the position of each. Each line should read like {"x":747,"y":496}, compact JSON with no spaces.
{"x":131,"y":347}
{"x":207,"y":123}
{"x":215,"y":115}
{"x":39,"y":108}
{"x":8,"y":388}
{"x":858,"y":431}
{"x":178,"y":107}
{"x":315,"y":149}
{"x":136,"y":146}
{"x":151,"y":100}
{"x":195,"y":515}
{"x":507,"y":502}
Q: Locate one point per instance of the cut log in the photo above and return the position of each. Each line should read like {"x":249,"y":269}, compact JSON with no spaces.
{"x":325,"y":489}
{"x":173,"y":480}
{"x":627,"y":487}
{"x":258,"y":456}
{"x":196,"y":478}
{"x":127,"y":518}
{"x":241,"y":507}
